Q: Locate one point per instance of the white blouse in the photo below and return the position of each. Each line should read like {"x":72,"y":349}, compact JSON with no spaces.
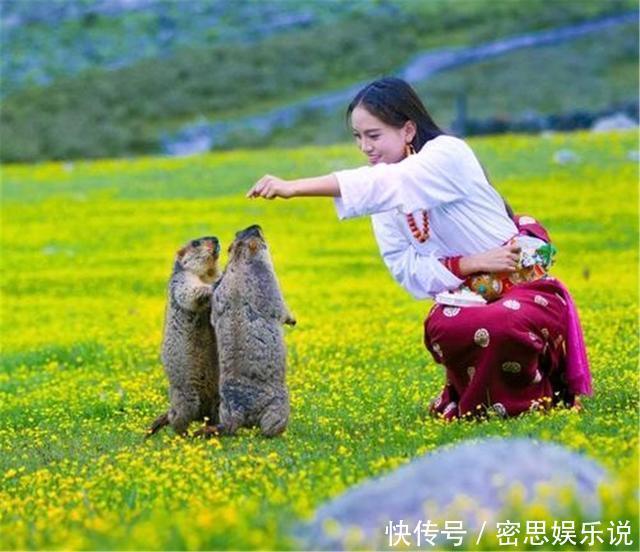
{"x":466,"y":214}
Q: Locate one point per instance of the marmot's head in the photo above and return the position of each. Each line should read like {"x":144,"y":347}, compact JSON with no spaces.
{"x":200,"y":257}
{"x":249,"y":246}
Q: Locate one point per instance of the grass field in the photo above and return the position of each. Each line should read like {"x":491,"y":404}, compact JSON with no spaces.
{"x":86,"y":253}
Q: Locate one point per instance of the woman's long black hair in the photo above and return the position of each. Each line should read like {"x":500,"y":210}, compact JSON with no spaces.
{"x":395,"y":102}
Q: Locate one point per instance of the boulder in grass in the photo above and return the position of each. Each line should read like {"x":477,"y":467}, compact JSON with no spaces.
{"x":617,"y":121}
{"x":470,"y":482}
{"x":565,"y":157}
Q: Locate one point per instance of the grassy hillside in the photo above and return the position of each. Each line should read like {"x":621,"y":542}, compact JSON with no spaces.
{"x":44,"y":41}
{"x":590,"y":73}
{"x":108,"y":113}
{"x":87,"y":250}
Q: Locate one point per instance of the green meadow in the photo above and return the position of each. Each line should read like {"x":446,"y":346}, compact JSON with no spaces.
{"x":86,"y":252}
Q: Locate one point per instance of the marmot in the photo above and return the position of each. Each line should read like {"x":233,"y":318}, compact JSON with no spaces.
{"x":189,"y":353}
{"x":248,"y":312}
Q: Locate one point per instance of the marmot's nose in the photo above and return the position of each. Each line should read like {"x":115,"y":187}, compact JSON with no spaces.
{"x":215,"y":242}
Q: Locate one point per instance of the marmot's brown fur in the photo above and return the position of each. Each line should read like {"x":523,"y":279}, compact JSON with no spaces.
{"x":189,"y":353}
{"x":248,"y":312}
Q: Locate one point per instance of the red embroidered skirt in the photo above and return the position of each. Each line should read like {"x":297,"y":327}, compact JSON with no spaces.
{"x":508,"y":356}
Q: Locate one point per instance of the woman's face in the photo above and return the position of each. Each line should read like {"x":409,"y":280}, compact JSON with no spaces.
{"x":380,"y":142}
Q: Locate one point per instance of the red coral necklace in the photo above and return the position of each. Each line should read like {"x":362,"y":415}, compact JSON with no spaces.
{"x":422,"y":235}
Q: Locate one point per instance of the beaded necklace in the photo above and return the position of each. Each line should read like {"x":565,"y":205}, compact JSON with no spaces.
{"x":422,"y":235}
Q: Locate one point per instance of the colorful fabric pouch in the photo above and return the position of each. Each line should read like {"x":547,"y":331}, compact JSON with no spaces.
{"x":536,"y":257}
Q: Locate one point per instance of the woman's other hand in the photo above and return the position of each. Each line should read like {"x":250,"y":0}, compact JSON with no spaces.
{"x":500,"y":259}
{"x":270,"y":187}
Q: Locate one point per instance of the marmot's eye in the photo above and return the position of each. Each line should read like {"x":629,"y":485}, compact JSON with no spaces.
{"x":195,"y":243}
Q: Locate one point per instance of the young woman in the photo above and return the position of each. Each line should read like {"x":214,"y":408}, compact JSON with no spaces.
{"x":438,"y":220}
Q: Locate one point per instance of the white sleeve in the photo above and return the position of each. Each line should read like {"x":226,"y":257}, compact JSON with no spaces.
{"x":423,"y":276}
{"x":433,"y":176}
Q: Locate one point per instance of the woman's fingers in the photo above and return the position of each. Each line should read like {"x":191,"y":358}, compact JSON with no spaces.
{"x":269,"y":192}
{"x":501,"y":259}
{"x":513,"y":256}
{"x":257,"y":189}
{"x":265,"y":187}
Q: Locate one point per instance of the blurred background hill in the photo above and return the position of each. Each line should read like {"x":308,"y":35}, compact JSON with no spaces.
{"x":111,"y":78}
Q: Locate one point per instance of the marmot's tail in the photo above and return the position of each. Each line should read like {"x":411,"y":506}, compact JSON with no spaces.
{"x":158,"y":424}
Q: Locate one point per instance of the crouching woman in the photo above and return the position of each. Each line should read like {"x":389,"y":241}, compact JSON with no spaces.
{"x":438,"y":221}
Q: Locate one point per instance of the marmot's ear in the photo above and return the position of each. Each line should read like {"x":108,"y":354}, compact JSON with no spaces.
{"x":253,"y":246}
{"x":181,"y":252}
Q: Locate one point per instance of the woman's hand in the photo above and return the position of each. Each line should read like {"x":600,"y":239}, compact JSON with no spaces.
{"x":500,"y":259}
{"x":270,"y":187}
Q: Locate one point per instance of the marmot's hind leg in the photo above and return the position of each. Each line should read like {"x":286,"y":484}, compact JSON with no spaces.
{"x":274,"y":418}
{"x":160,"y":422}
{"x":230,"y":421}
{"x":180,"y":419}
{"x":185,"y":408}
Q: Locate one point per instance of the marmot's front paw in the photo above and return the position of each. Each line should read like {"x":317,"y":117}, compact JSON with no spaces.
{"x":203,"y":298}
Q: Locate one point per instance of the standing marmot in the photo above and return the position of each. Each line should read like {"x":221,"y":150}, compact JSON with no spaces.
{"x":248,"y":311}
{"x":189,"y":352}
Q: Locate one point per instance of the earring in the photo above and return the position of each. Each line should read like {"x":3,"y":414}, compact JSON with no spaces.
{"x":409,"y":150}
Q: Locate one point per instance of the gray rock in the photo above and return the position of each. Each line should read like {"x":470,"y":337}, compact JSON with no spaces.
{"x":470,"y":482}
{"x":617,"y":121}
{"x":565,"y":157}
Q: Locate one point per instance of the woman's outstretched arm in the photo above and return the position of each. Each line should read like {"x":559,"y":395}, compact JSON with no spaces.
{"x":270,"y":187}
